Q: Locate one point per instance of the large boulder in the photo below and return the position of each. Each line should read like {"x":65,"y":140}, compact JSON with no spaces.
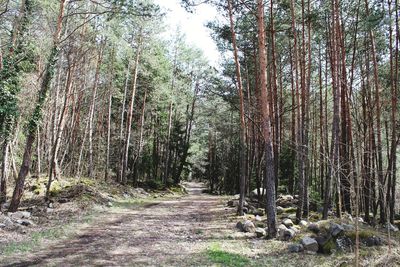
{"x":309,"y":244}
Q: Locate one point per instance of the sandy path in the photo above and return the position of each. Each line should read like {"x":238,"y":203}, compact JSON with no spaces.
{"x":168,"y":233}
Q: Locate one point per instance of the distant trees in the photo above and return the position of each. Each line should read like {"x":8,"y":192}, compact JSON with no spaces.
{"x":103,"y":79}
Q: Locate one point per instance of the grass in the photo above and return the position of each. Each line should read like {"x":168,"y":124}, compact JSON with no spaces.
{"x":223,"y":258}
{"x":37,"y":238}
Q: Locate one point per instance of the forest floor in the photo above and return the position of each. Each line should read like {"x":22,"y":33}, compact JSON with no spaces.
{"x":196,"y":229}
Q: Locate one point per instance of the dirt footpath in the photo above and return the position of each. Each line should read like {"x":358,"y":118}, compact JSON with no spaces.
{"x":168,"y":233}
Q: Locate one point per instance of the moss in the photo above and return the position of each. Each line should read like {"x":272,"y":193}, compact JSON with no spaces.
{"x":363,"y":234}
{"x":290,"y":210}
{"x":328,"y":246}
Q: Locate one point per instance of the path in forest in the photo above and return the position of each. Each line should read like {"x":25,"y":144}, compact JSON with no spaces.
{"x":173,"y":232}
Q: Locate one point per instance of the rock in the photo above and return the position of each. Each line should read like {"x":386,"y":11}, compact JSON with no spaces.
{"x":258,"y":218}
{"x":19,"y":215}
{"x":279,"y":210}
{"x":7,"y":222}
{"x":344,"y":244}
{"x":2,"y":225}
{"x":288,"y":222}
{"x":239,"y":226}
{"x":249,"y":227}
{"x":237,"y":196}
{"x":25,"y":222}
{"x":258,"y":212}
{"x":288,"y":234}
{"x":348,"y":227}
{"x":109,"y":204}
{"x":303,"y":223}
{"x":296,"y":228}
{"x":231,"y":203}
{"x":294,"y":248}
{"x":285,"y":201}
{"x":49,"y":210}
{"x":245,"y":210}
{"x":392,"y":227}
{"x":260,"y":232}
{"x":336,"y":229}
{"x":360,"y":220}
{"x":373,"y":241}
{"x":281,"y":231}
{"x":309,"y":244}
{"x":313,"y":227}
{"x":50,"y":205}
{"x":292,"y":216}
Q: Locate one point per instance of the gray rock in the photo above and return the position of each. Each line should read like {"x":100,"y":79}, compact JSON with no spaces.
{"x":288,"y":234}
{"x":348,"y":227}
{"x":344,"y":244}
{"x":248,"y":227}
{"x":258,"y":218}
{"x":260,"y":232}
{"x":303,"y":223}
{"x":232,"y":203}
{"x":296,"y":229}
{"x":49,"y":210}
{"x":313,"y":227}
{"x":109,"y":204}
{"x":336,"y":229}
{"x":259,"y":212}
{"x":294,"y":248}
{"x":309,"y":244}
{"x":281,"y":231}
{"x":288,"y":222}
{"x":292,"y":216}
{"x":7,"y":222}
{"x":19,"y":215}
{"x":2,"y":225}
{"x":373,"y":241}
{"x":239,"y":226}
{"x":25,"y":222}
{"x":392,"y":227}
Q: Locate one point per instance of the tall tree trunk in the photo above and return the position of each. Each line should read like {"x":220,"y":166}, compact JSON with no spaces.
{"x":242,"y":160}
{"x":92,"y":111}
{"x":266,"y":126}
{"x":37,"y":113}
{"x":125,"y":157}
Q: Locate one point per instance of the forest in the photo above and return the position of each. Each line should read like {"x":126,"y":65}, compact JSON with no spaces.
{"x":298,"y":123}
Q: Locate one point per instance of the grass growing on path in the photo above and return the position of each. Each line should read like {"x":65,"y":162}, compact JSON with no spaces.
{"x":218,"y":256}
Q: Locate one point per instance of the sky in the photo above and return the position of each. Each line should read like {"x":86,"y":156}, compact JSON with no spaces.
{"x":192,"y":25}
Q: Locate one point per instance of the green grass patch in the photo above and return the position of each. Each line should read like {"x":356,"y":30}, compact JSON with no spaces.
{"x":35,"y":240}
{"x":223,"y":258}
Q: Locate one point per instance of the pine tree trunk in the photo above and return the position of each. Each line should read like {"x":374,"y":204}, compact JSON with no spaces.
{"x":37,"y":113}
